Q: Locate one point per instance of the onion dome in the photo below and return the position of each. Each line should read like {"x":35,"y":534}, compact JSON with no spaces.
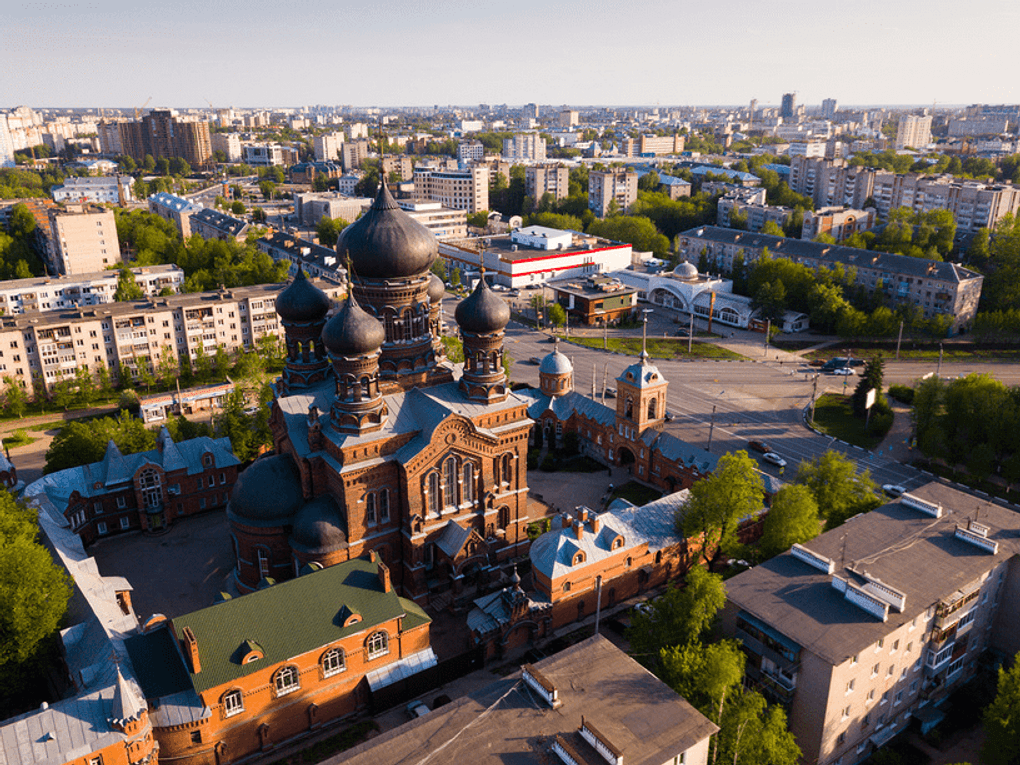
{"x":555,"y":363}
{"x":483,"y":312}
{"x":386,"y":242}
{"x":437,"y":289}
{"x":268,"y":493}
{"x":686,"y":271}
{"x":318,"y":527}
{"x":302,"y":302}
{"x":353,"y":331}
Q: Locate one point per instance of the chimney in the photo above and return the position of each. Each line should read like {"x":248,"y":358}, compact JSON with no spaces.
{"x":565,"y":520}
{"x":190,"y":647}
{"x":596,"y":523}
{"x":384,"y":575}
{"x":578,"y":530}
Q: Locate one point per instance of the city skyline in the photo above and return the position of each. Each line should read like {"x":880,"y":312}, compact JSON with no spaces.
{"x":259,"y":54}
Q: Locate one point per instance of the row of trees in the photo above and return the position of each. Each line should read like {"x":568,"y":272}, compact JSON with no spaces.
{"x":928,"y":235}
{"x":18,"y":258}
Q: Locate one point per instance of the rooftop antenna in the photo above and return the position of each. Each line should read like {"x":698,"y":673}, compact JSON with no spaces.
{"x":842,"y":555}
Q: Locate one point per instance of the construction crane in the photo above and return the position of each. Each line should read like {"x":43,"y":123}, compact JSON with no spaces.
{"x":138,"y":111}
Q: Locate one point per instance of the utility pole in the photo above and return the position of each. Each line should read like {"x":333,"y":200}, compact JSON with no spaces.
{"x":938,"y":372}
{"x":644,"y":333}
{"x":593,"y":381}
{"x":814,"y":397}
{"x":605,"y":381}
{"x":898,"y":341}
{"x":605,"y":333}
{"x":768,"y":331}
{"x":711,"y":429}
{"x":690,"y":333}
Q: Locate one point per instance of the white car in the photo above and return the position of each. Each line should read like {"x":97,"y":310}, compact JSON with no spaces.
{"x":774,"y":458}
{"x":893,"y":489}
{"x":843,"y":371}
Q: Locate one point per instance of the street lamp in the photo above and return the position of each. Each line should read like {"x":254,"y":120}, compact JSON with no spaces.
{"x":644,"y":332}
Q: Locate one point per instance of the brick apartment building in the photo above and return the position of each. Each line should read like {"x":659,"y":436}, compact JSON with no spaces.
{"x":161,"y":133}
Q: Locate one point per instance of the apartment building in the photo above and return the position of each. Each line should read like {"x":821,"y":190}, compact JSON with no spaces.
{"x":327,"y":146}
{"x":838,"y":222}
{"x":175,"y":209}
{"x":974,"y":204}
{"x":269,"y":155}
{"x":444,"y":222}
{"x":540,"y":180}
{"x":229,"y":144}
{"x":6,"y":143}
{"x":524,"y":147}
{"x":103,"y":190}
{"x":807,"y":149}
{"x":470,"y":151}
{"x":914,"y":131}
{"x":893,"y":610}
{"x":745,"y":202}
{"x":401,"y":166}
{"x":937,"y":288}
{"x":460,"y":189}
{"x":83,"y":239}
{"x":52,"y":345}
{"x":161,"y":133}
{"x":44,"y":293}
{"x":567,"y":118}
{"x":310,"y":207}
{"x":831,"y":182}
{"x":652,"y":145}
{"x":353,"y":153}
{"x":607,"y":186}
{"x":212,"y":224}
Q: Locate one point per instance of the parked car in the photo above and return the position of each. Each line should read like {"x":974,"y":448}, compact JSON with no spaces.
{"x":416,"y":709}
{"x":535,"y":360}
{"x":842,"y":371}
{"x":759,"y":446}
{"x":682,"y":332}
{"x":894,"y":489}
{"x":816,"y":363}
{"x":610,"y":392}
{"x":774,"y":459}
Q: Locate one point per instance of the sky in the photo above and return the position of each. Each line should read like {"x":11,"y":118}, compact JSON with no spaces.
{"x":186,"y":53}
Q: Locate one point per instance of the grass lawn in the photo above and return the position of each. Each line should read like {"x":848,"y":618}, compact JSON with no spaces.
{"x":19,"y":438}
{"x":950,"y":354}
{"x":635,"y":492}
{"x":658,"y":348}
{"x":834,"y":416}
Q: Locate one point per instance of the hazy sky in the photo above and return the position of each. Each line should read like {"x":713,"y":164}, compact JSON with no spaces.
{"x":297,"y":52}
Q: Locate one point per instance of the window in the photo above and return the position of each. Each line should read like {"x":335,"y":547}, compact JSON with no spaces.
{"x":881,"y":642}
{"x":874,"y":670}
{"x":892,"y":669}
{"x":378,"y":644}
{"x":468,"y":488}
{"x":263,"y":562}
{"x":333,"y":662}
{"x":871,"y":695}
{"x":370,"y":508}
{"x":895,"y":646}
{"x":232,"y":702}
{"x":966,"y":619}
{"x":846,"y":712}
{"x":898,"y":699}
{"x":384,"y":505}
{"x":853,"y":660}
{"x":125,"y":522}
{"x":97,"y":760}
{"x":850,"y":686}
{"x":866,"y":720}
{"x":196,"y":737}
{"x":286,"y":681}
{"x":450,"y":487}
{"x":433,"y":493}
{"x":841,"y":737}
{"x":101,"y":527}
{"x":507,"y":470}
{"x":98,"y":507}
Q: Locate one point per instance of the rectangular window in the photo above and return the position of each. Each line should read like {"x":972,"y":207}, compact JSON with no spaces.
{"x":201,"y":503}
{"x":846,"y":712}
{"x":101,"y":527}
{"x":122,"y":502}
{"x":125,"y":522}
{"x":850,"y":687}
{"x":98,"y":507}
{"x":384,"y":505}
{"x":370,"y":508}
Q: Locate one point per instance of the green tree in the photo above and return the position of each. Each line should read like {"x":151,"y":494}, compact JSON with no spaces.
{"x":15,"y":397}
{"x":62,"y":394}
{"x":557,"y":315}
{"x":127,"y":286}
{"x":258,"y":215}
{"x":478,"y":219}
{"x":86,"y":391}
{"x":329,"y":230}
{"x":238,"y":208}
{"x":871,"y":379}
{"x":770,"y":301}
{"x":703,"y":673}
{"x":838,"y":491}
{"x":81,"y":443}
{"x":22,"y":223}
{"x":772,"y":229}
{"x":709,"y":520}
{"x":1002,"y":719}
{"x":167,"y":368}
{"x":793,"y":517}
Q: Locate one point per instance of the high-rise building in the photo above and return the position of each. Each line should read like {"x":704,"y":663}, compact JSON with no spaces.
{"x":546,"y":179}
{"x":327,"y":146}
{"x":229,"y":144}
{"x":913,"y":130}
{"x":607,"y":186}
{"x":568,"y":118}
{"x":528,"y":147}
{"x":6,"y":144}
{"x":161,"y":134}
{"x":829,"y":108}
{"x":470,"y":151}
{"x":83,"y":239}
{"x":460,"y":189}
{"x":788,"y":110}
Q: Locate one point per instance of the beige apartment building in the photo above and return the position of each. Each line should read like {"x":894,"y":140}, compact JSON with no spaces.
{"x":47,"y":293}
{"x":914,"y":131}
{"x":459,"y":189}
{"x":838,"y":222}
{"x":401,"y":166}
{"x":892,"y":612}
{"x":524,"y":147}
{"x":605,"y":186}
{"x":652,"y":145}
{"x":83,"y":239}
{"x":50,"y":346}
{"x":547,"y":179}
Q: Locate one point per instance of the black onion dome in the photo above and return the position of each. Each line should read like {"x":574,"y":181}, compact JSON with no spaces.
{"x":302,"y":302}
{"x":268,"y":493}
{"x":318,"y":527}
{"x":483,"y":312}
{"x":386,"y":242}
{"x":437,"y":289}
{"x":353,"y":331}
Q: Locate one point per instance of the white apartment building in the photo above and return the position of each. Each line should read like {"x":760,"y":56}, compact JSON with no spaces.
{"x":102,"y":190}
{"x":605,"y":186}
{"x":892,"y":612}
{"x":756,"y":214}
{"x":83,"y":239}
{"x":444,"y":222}
{"x":913,"y":130}
{"x":311,"y":207}
{"x":6,"y":143}
{"x":460,"y":189}
{"x":470,"y":151}
{"x":229,"y":144}
{"x":524,"y":147}
{"x":356,"y":130}
{"x":45,"y":293}
{"x":806,"y":149}
{"x":269,"y":154}
{"x":327,"y":146}
{"x":540,"y":180}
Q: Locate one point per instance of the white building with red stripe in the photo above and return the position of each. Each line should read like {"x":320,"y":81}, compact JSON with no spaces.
{"x":536,"y":254}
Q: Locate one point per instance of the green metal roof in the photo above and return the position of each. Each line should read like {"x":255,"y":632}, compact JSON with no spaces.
{"x":292,"y":618}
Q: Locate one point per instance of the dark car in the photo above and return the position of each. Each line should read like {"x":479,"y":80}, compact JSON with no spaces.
{"x":682,"y":332}
{"x":759,"y":446}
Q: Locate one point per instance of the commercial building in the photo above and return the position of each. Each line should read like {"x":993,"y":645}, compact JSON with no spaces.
{"x":838,"y":222}
{"x":608,"y":186}
{"x":590,"y":703}
{"x":893,"y":610}
{"x":212,"y":224}
{"x":175,"y":209}
{"x":594,"y":300}
{"x":229,"y":144}
{"x":83,"y":239}
{"x":914,"y":131}
{"x":540,"y":180}
{"x":327,"y":146}
{"x":269,"y":155}
{"x":524,"y":147}
{"x":935,"y":287}
{"x":460,"y":189}
{"x":535,"y":255}
{"x":45,"y":293}
{"x":103,"y":190}
{"x":652,"y":145}
{"x":160,"y":133}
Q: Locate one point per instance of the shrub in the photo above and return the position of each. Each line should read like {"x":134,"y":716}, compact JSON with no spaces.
{"x":549,"y":464}
{"x":902,"y":393}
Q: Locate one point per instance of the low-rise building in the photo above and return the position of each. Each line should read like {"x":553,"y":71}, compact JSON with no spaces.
{"x":307,"y":172}
{"x":314,"y":259}
{"x":212,"y":224}
{"x":83,"y":239}
{"x":675,"y":187}
{"x":101,"y":190}
{"x":175,"y":209}
{"x":738,"y":202}
{"x":891,"y":614}
{"x":838,"y":222}
{"x":595,"y":300}
{"x":160,"y":407}
{"x":652,"y":145}
{"x":311,"y":207}
{"x":269,"y":154}
{"x":536,"y":254}
{"x":45,"y":293}
{"x":590,"y":703}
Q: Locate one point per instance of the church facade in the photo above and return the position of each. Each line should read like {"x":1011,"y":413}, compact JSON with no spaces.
{"x":380,"y":445}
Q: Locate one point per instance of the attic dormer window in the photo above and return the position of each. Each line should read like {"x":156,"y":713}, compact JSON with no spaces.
{"x":578,"y":558}
{"x":618,"y":543}
{"x":207,"y":459}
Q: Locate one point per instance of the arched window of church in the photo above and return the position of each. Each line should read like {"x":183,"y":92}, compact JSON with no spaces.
{"x":504,"y":517}
{"x":651,"y":409}
{"x":433,"y":493}
{"x":497,"y":474}
{"x":480,"y":362}
{"x":370,"y":508}
{"x":365,"y":388}
{"x":384,"y":505}
{"x":408,"y":321}
{"x":450,"y":492}
{"x":495,"y":361}
{"x":469,"y":482}
{"x":629,"y":411}
{"x":508,"y":472}
{"x":311,"y":349}
{"x":263,"y":557}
